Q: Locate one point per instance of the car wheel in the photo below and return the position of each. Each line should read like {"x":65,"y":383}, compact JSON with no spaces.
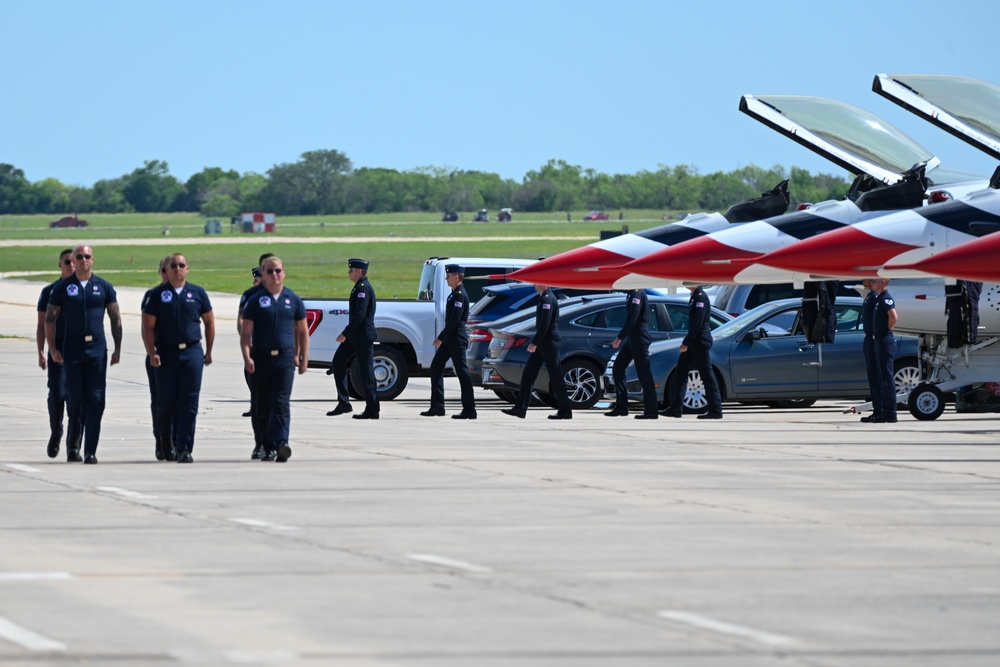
{"x":907,"y":375}
{"x":391,"y":373}
{"x":791,"y":403}
{"x":583,"y":384}
{"x":694,"y":401}
{"x":926,"y":402}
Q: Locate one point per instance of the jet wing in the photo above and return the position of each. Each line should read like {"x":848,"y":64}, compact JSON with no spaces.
{"x":854,"y":139}
{"x":962,"y":106}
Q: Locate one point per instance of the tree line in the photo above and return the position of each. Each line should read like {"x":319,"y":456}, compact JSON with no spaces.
{"x":324,"y":182}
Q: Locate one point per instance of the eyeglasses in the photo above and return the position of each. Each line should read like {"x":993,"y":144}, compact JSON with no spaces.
{"x":67,"y":262}
{"x":84,"y":256}
{"x":178,"y":265}
{"x":273,"y":271}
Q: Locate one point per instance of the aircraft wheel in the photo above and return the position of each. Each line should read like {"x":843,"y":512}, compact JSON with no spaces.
{"x":926,"y":402}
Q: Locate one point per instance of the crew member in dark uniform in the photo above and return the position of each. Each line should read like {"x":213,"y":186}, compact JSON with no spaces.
{"x":254,"y":289}
{"x":56,"y":374}
{"x":357,"y":340}
{"x":84,"y":298}
{"x":884,"y":319}
{"x":171,"y":332}
{"x":162,"y":450}
{"x":544,"y":347}
{"x":695,"y":349}
{"x":868,"y":347}
{"x":452,"y":343}
{"x":635,"y":334}
{"x":275,"y":341}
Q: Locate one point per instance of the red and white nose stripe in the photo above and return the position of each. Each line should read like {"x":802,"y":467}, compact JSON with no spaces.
{"x":847,"y":252}
{"x":973,"y":260}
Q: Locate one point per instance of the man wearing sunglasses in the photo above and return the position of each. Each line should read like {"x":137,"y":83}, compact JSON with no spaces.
{"x":84,"y":298}
{"x":56,"y":373}
{"x":163,"y":450}
{"x":275,"y":342}
{"x":171,"y":332}
{"x":256,"y":288}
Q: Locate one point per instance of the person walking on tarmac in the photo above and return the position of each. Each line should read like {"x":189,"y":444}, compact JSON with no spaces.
{"x":84,"y":298}
{"x":452,"y":343}
{"x":868,"y":347}
{"x":253,"y":290}
{"x":55,"y":371}
{"x":162,"y":450}
{"x":884,"y":318}
{"x":635,"y":335}
{"x":171,"y":332}
{"x":357,"y":340}
{"x":545,"y":347}
{"x":275,"y":341}
{"x":694,"y":351}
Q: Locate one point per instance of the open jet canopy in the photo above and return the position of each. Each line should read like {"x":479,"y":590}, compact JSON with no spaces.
{"x":962,"y":106}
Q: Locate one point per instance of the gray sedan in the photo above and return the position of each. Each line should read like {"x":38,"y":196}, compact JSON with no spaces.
{"x":763,"y":357}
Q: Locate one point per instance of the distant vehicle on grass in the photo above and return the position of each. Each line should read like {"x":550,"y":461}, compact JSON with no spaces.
{"x":482,"y":215}
{"x":449,"y":216}
{"x":596,"y":215}
{"x":68,"y":221}
{"x":505,"y":215}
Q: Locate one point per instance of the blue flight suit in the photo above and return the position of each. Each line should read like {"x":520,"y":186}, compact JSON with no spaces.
{"x":177,"y":333}
{"x":699,"y":347}
{"x":547,"y":343}
{"x":273,"y":355}
{"x":868,"y":346}
{"x":454,"y":339}
{"x":85,"y":353}
{"x":254,"y":420}
{"x":635,"y":346}
{"x":885,"y":354}
{"x":361,"y":336}
{"x":56,"y":376}
{"x":151,"y":378}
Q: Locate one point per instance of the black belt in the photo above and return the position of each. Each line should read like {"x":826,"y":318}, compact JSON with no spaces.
{"x":180,"y":346}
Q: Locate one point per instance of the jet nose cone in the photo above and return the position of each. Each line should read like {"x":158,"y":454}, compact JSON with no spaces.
{"x":974,"y":260}
{"x":575,"y":268}
{"x":698,"y":260}
{"x":848,"y":252}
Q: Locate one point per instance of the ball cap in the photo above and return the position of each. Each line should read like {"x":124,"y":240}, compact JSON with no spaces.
{"x":357,"y":264}
{"x":255,"y":272}
{"x":454,"y":268}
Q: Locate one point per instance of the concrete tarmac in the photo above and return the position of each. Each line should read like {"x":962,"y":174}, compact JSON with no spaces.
{"x":771,"y":537}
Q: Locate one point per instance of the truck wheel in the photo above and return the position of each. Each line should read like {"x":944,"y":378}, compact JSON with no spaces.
{"x":583,"y":384}
{"x":391,"y":373}
{"x":926,"y":402}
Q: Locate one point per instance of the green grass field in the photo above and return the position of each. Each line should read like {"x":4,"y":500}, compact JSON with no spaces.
{"x":314,"y":269}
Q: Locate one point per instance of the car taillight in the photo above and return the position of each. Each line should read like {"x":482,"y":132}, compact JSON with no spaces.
{"x":480,"y":335}
{"x":313,"y":318}
{"x":514,"y":341}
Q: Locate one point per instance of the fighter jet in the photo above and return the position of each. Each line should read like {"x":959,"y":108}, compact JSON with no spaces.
{"x":873,"y":149}
{"x":579,"y":268}
{"x":973,"y":260}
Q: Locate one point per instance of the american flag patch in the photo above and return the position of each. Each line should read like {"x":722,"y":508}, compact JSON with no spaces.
{"x":361,"y":295}
{"x":699,"y":304}
{"x":546,"y":306}
{"x":637,"y":301}
{"x":458,"y":304}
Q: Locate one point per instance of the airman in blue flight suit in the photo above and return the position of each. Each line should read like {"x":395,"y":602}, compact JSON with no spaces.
{"x":695,"y":351}
{"x":544,"y":347}
{"x":357,"y":340}
{"x":868,"y":347}
{"x":452,"y":343}
{"x":171,"y":332}
{"x":884,"y":318}
{"x":83,"y":298}
{"x":56,"y":374}
{"x":635,"y":334}
{"x":275,"y":341}
{"x":253,"y":290}
{"x":162,"y":450}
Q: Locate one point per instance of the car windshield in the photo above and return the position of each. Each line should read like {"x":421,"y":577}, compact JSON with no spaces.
{"x":847,"y":127}
{"x":732,"y":327}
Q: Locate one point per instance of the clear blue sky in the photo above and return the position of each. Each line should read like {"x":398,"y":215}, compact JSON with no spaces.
{"x":92,"y":89}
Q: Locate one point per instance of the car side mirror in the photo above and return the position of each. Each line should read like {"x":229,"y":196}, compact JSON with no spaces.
{"x":754,"y":334}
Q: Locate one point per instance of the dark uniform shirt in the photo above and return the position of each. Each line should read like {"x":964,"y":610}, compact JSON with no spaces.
{"x":547,"y":319}
{"x":636,"y":314}
{"x":274,"y":319}
{"x":83,"y":310}
{"x":868,"y":313}
{"x":361,"y":313}
{"x":178,"y":315}
{"x":880,"y":318}
{"x":699,"y":320}
{"x":456,"y":314}
{"x":249,"y":292}
{"x":43,"y":305}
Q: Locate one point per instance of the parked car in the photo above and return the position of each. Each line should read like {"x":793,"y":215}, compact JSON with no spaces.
{"x":762,"y":356}
{"x":68,"y":221}
{"x":738,"y":299}
{"x":587,"y":330}
{"x":596,"y":215}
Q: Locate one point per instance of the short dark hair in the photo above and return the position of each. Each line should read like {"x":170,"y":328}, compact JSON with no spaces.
{"x":67,"y":251}
{"x":266,"y":255}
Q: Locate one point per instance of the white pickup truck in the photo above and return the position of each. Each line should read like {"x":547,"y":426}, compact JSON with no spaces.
{"x":406,"y":328}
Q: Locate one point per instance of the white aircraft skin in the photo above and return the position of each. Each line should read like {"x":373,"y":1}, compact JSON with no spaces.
{"x":977,"y":260}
